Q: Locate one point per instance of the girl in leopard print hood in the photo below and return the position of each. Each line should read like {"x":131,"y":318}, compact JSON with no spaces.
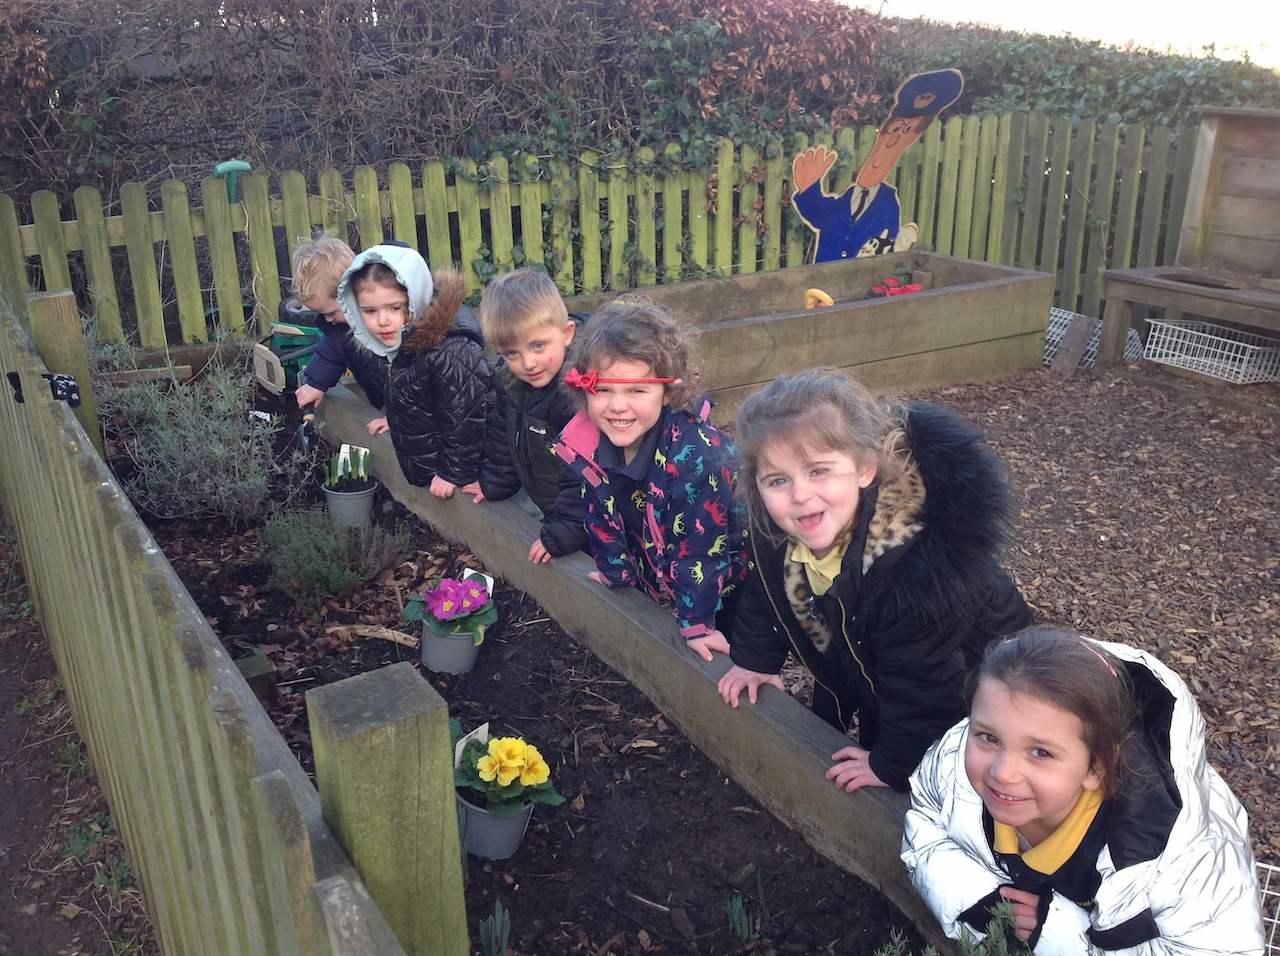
{"x":874,"y":547}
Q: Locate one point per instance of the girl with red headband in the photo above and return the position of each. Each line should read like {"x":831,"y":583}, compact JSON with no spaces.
{"x":657,"y":477}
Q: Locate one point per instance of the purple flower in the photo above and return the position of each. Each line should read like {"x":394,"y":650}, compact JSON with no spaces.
{"x":452,"y":599}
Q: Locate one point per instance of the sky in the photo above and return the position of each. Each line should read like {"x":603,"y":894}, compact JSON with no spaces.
{"x":1235,"y":27}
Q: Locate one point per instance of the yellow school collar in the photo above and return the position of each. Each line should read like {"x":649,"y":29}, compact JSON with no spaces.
{"x":1047,"y":856}
{"x":821,"y":571}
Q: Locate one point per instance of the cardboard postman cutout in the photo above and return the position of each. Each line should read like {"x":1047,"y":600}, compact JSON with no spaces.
{"x":864,"y":220}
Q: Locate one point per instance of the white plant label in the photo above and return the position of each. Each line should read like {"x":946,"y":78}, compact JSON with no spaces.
{"x":481,"y":734}
{"x":474,"y":573}
{"x":353,"y":454}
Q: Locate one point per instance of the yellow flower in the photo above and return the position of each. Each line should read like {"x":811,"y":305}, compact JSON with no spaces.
{"x":507,"y":774}
{"x":510,"y":750}
{"x":535,"y":771}
{"x":488,"y":767}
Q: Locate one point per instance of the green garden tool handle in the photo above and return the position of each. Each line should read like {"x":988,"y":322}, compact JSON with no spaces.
{"x":230,"y":170}
{"x":299,"y":352}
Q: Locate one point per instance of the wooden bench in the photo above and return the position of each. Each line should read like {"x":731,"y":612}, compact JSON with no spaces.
{"x":1228,"y":261}
{"x":1168,"y":288}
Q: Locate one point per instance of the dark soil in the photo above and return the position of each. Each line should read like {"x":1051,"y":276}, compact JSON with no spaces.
{"x":654,"y":840}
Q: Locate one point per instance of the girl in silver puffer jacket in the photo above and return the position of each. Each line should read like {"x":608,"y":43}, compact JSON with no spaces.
{"x":1078,"y":790}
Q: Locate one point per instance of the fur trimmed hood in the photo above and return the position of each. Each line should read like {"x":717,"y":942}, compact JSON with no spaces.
{"x":434,"y":302}
{"x":434,"y":324}
{"x":950,"y":509}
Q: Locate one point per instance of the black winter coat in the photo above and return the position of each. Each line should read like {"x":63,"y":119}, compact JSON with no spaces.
{"x":919,"y":596}
{"x":525,"y":423}
{"x":439,"y":395}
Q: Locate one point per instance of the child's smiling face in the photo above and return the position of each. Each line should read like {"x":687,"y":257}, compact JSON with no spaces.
{"x":625,"y":411}
{"x":1027,"y":759}
{"x":811,"y":492}
{"x":385,"y":311}
{"x":537,"y":354}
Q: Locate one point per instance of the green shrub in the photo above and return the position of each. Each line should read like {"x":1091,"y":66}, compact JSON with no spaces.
{"x":312,"y":560}
{"x":999,"y":941}
{"x":199,"y":450}
{"x":1068,"y":76}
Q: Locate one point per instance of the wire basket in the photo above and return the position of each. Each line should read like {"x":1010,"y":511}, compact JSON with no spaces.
{"x":1241,"y":358}
{"x":1269,"y":884}
{"x":1060,"y":320}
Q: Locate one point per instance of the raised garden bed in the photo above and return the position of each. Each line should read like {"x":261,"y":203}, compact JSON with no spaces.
{"x":1125,"y":534}
{"x":973,"y":321}
{"x":654,"y":840}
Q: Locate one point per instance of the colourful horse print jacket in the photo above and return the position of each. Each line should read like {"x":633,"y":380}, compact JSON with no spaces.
{"x":692,"y":553}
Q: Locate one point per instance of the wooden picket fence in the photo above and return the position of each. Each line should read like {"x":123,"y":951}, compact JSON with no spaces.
{"x":234,"y":850}
{"x":1071,"y":198}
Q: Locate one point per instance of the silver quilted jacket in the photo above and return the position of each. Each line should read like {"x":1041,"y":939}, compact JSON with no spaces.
{"x":1199,"y":884}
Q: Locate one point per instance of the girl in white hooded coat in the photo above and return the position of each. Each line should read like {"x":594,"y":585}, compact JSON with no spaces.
{"x":1078,"y":790}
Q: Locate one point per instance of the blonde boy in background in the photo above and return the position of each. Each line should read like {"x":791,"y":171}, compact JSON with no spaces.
{"x":525,"y":320}
{"x":317,"y":268}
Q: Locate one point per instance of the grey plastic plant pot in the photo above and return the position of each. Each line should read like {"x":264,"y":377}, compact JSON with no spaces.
{"x":448,"y":653}
{"x":350,"y":509}
{"x":485,"y":834}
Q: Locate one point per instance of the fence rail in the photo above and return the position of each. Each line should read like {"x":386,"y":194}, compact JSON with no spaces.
{"x":1071,"y":198}
{"x":226,"y":833}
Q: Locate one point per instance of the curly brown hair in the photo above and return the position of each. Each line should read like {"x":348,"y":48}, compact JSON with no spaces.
{"x":637,"y":330}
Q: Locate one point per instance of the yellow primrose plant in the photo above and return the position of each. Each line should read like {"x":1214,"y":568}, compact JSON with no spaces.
{"x":507,"y":772}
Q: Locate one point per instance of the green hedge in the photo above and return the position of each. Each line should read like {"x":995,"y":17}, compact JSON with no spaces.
{"x":106,"y":93}
{"x":1066,"y":76}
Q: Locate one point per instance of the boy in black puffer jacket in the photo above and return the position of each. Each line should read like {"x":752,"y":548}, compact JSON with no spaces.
{"x":524,"y":317}
{"x":438,"y":386}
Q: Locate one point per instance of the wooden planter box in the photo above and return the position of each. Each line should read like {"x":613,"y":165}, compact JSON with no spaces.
{"x":975,"y":321}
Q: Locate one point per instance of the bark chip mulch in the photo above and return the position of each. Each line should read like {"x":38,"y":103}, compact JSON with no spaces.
{"x":1150,"y":514}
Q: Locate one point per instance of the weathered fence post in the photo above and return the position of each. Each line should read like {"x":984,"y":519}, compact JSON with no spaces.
{"x":55,"y":325}
{"x":289,"y":868}
{"x":384,"y":769}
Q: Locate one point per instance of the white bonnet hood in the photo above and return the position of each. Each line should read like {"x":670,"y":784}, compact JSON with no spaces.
{"x":412,"y":272}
